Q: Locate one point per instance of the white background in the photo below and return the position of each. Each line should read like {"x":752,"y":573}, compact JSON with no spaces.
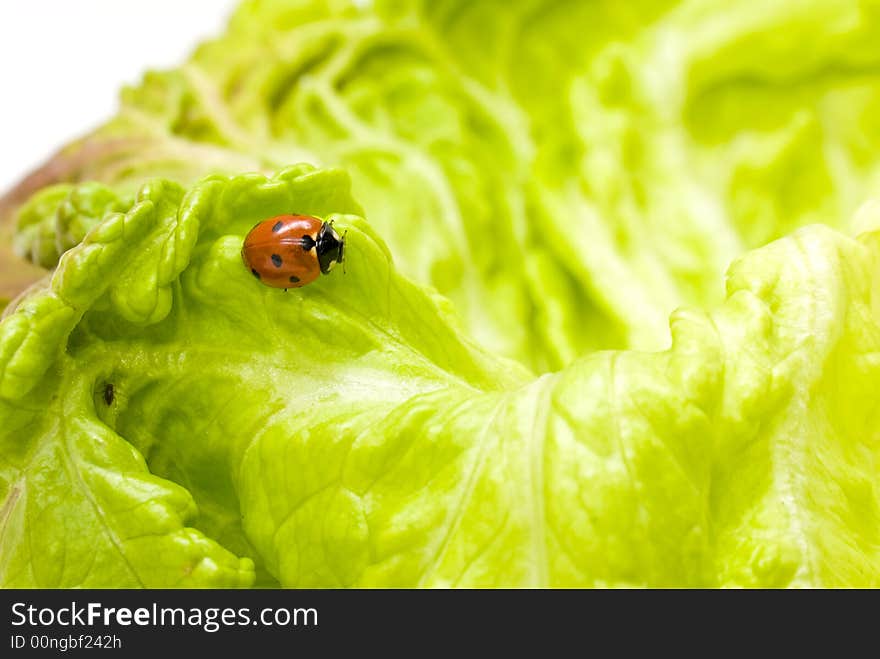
{"x":62,"y":63}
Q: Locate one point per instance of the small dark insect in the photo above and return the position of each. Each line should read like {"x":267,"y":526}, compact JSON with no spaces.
{"x":109,"y":394}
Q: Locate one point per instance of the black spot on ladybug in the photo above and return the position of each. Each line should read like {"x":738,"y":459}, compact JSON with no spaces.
{"x":276,"y":260}
{"x":294,"y":279}
{"x":307,"y":242}
{"x":277,"y":227}
{"x":255,"y":273}
{"x":109,"y":394}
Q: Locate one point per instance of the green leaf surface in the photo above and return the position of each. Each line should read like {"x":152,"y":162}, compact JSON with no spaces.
{"x":629,"y":335}
{"x":346,"y":434}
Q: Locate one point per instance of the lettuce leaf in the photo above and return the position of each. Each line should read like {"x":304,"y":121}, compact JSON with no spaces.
{"x":553,"y":382}
{"x":347,"y":434}
{"x":567,"y":173}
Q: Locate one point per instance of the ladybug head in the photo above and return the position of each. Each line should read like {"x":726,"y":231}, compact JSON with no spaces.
{"x":330,"y":247}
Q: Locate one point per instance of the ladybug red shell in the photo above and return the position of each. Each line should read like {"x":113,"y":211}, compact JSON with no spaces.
{"x":290,"y":251}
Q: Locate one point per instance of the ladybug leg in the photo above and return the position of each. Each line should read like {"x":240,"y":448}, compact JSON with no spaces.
{"x":285,"y":290}
{"x":343,"y":242}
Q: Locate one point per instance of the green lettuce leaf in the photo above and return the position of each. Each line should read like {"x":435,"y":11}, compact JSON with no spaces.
{"x":346,"y":434}
{"x":506,"y":402}
{"x":567,"y":173}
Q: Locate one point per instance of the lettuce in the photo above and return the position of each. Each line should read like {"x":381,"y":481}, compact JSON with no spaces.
{"x":552,"y":383}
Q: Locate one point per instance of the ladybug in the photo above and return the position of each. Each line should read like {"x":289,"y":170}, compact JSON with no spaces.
{"x":290,"y":251}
